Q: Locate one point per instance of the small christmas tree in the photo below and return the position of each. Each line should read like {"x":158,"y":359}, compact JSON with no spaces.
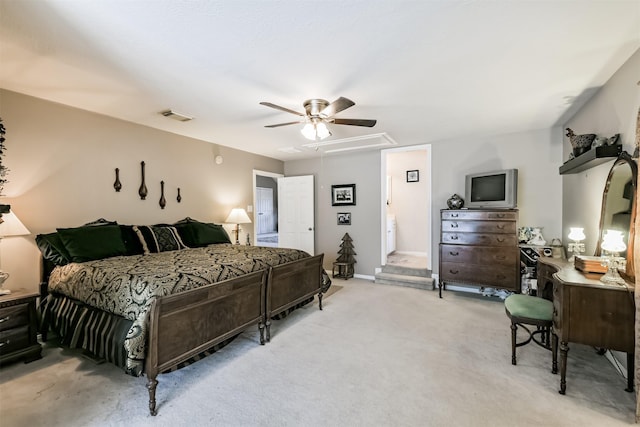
{"x":345,"y":257}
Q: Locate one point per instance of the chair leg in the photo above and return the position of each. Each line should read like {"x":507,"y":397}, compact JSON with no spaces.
{"x":514,"y":328}
{"x":554,"y":353}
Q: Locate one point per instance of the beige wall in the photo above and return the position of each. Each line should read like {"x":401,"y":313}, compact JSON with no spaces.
{"x":62,"y":163}
{"x":364,"y":171}
{"x":536,"y":154}
{"x":613,"y":109}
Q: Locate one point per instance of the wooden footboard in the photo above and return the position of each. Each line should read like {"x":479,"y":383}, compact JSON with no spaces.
{"x":292,"y":283}
{"x":185,"y":324}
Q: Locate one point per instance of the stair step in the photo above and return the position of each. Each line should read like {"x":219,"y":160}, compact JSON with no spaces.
{"x":404,"y":280}
{"x":406,"y":271}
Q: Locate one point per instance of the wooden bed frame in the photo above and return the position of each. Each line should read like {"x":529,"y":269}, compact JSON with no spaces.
{"x":214,"y":313}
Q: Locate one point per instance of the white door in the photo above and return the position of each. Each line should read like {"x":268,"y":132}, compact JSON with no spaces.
{"x":264,"y":209}
{"x":296,"y":213}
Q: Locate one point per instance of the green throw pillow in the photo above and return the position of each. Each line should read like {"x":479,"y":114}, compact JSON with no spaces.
{"x":52,"y":248}
{"x":197,"y":234}
{"x":91,"y":243}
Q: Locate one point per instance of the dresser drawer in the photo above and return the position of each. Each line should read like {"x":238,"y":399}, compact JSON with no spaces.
{"x":13,"y":316}
{"x":14,"y":339}
{"x":501,"y":227}
{"x":479,"y":214}
{"x":493,"y":276}
{"x":486,"y":239}
{"x":490,"y":255}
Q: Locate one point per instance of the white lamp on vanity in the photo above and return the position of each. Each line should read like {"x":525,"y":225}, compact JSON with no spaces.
{"x":613,"y":243}
{"x":577,"y":247}
{"x":10,"y":226}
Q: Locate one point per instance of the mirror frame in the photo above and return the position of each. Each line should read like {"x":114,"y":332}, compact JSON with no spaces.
{"x":623,"y":159}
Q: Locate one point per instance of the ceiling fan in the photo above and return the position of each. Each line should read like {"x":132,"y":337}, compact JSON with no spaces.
{"x":319,"y":112}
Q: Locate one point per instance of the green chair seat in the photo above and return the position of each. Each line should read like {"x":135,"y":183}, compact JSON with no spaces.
{"x":529,"y":307}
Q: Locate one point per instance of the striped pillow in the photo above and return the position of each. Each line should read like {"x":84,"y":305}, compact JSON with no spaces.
{"x":156,"y":238}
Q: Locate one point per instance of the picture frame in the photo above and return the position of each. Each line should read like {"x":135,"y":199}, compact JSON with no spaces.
{"x":413,"y":176}
{"x":344,"y":218}
{"x":343,"y":195}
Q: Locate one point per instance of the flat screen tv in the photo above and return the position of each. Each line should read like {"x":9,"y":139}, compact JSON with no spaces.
{"x":497,"y":189}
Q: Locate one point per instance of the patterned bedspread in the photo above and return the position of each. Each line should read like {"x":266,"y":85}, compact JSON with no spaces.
{"x":127,"y":285}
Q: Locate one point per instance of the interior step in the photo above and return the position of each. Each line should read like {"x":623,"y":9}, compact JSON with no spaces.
{"x":411,"y":281}
{"x":406,"y":271}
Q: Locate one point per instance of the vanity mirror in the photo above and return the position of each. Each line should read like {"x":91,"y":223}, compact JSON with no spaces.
{"x":617,"y":206}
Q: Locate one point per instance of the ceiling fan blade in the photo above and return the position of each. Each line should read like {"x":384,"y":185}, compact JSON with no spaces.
{"x":277,"y":107}
{"x":355,"y":122}
{"x":282,"y":124}
{"x":337,"y":106}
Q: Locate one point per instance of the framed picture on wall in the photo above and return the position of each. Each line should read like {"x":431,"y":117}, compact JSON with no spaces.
{"x":343,"y":195}
{"x":413,"y":176}
{"x":344,"y":218}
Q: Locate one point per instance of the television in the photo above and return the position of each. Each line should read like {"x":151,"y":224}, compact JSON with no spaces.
{"x":496,"y":189}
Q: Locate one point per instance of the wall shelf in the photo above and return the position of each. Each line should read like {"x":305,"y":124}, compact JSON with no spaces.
{"x":591,"y":158}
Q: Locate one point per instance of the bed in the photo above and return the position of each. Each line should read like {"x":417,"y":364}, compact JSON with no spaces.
{"x":127,"y":294}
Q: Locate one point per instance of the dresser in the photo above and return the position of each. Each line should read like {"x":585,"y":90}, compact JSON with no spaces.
{"x":18,"y":327}
{"x":479,"y":247}
{"x":587,"y":311}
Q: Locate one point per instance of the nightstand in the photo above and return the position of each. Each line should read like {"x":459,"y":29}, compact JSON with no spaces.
{"x":19,"y":327}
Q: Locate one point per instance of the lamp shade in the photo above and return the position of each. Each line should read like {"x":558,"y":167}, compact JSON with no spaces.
{"x":577,"y":234}
{"x":238,"y":216}
{"x":12,"y":226}
{"x":613,"y":241}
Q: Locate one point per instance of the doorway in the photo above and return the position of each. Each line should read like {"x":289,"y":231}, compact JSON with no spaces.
{"x":406,"y":206}
{"x":265,"y":196}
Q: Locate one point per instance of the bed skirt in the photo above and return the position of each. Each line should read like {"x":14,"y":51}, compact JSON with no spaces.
{"x":102,"y":334}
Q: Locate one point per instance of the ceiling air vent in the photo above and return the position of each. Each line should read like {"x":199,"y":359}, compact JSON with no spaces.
{"x":176,"y":116}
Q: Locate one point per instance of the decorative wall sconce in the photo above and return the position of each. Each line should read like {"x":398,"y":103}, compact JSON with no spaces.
{"x":117,"y":184}
{"x":163,"y":201}
{"x":142,"y":191}
{"x":613,"y":243}
{"x":577,"y":247}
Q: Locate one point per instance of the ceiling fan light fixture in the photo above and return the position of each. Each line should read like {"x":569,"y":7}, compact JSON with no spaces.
{"x":315,"y":130}
{"x":309,"y":131}
{"x":321,"y":130}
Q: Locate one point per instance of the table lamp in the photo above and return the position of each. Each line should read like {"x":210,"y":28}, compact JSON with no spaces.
{"x":577,"y":247}
{"x":9,"y":227}
{"x":238,"y":216}
{"x":613,"y":243}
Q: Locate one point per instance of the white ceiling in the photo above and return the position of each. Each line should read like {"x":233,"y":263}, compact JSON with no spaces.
{"x":426,"y":70}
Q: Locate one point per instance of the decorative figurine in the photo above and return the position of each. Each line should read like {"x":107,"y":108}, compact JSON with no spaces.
{"x":580,"y":143}
{"x":455,"y":202}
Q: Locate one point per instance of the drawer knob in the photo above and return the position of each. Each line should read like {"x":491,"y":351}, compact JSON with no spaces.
{"x":500,"y":227}
{"x":454,"y":215}
{"x":500,"y":239}
{"x":500,"y":215}
{"x":2,"y":344}
{"x":454,"y":272}
{"x":454,"y":237}
{"x":454,"y":253}
{"x":5,"y":319}
{"x":454,"y":225}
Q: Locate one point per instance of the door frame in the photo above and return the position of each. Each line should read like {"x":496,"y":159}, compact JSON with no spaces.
{"x":383,"y":200}
{"x":273,"y":175}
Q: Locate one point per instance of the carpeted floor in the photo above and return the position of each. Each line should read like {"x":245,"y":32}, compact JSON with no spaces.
{"x":375,"y":356}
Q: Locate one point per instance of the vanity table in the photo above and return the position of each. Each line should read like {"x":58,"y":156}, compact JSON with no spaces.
{"x":587,"y":311}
